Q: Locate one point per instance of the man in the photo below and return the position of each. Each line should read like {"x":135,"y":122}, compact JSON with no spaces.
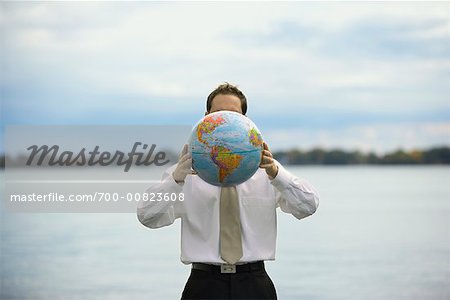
{"x":226,"y":248}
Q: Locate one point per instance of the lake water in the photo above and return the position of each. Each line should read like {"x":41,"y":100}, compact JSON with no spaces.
{"x":379,"y":233}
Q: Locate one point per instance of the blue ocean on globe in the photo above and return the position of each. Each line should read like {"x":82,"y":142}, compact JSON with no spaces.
{"x":226,"y":148}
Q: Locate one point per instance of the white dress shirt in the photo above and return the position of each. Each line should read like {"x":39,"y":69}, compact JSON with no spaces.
{"x":199,"y":212}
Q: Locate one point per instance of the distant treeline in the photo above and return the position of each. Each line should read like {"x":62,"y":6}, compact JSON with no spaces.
{"x":440,"y":155}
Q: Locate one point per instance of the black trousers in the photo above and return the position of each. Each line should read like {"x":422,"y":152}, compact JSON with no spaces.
{"x":254,"y":285}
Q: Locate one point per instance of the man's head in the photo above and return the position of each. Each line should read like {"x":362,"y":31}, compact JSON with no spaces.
{"x":226,"y":97}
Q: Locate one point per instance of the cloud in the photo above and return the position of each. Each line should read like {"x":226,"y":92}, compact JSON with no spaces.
{"x":330,"y":65}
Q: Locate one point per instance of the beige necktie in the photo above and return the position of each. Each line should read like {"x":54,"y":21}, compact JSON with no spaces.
{"x":230,"y":226}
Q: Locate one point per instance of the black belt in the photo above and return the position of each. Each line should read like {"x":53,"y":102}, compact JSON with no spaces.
{"x":249,"y":267}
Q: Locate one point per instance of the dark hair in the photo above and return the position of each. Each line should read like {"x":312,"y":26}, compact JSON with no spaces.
{"x":227,"y":89}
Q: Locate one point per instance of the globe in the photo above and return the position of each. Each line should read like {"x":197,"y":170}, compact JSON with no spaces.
{"x":226,"y":148}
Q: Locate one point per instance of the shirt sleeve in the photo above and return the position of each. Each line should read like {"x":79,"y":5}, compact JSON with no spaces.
{"x":156,"y":214}
{"x":295,"y":196}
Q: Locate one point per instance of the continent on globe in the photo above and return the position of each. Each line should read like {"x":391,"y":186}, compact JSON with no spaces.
{"x":207,"y":126}
{"x":226,"y":160}
{"x":255,"y":137}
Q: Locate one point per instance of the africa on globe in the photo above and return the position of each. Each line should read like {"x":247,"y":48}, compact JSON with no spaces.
{"x":226,"y":148}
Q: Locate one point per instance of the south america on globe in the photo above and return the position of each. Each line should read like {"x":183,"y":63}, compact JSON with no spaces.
{"x":226,"y":148}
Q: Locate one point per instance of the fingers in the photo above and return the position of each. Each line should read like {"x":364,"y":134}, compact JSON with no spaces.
{"x":186,"y":163}
{"x":267,"y":153}
{"x":266,"y":164}
{"x":184,"y":168}
{"x":266,"y":157}
{"x":184,"y":154}
{"x":184,"y":157}
{"x":184,"y":151}
{"x":266,"y":161}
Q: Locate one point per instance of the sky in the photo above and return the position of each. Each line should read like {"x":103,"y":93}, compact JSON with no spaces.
{"x":369,"y":76}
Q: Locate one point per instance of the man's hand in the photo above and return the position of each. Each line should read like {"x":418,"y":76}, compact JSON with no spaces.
{"x":184,"y":166}
{"x":268,"y":163}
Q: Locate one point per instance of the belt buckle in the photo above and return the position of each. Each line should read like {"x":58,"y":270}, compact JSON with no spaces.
{"x":225,"y":268}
